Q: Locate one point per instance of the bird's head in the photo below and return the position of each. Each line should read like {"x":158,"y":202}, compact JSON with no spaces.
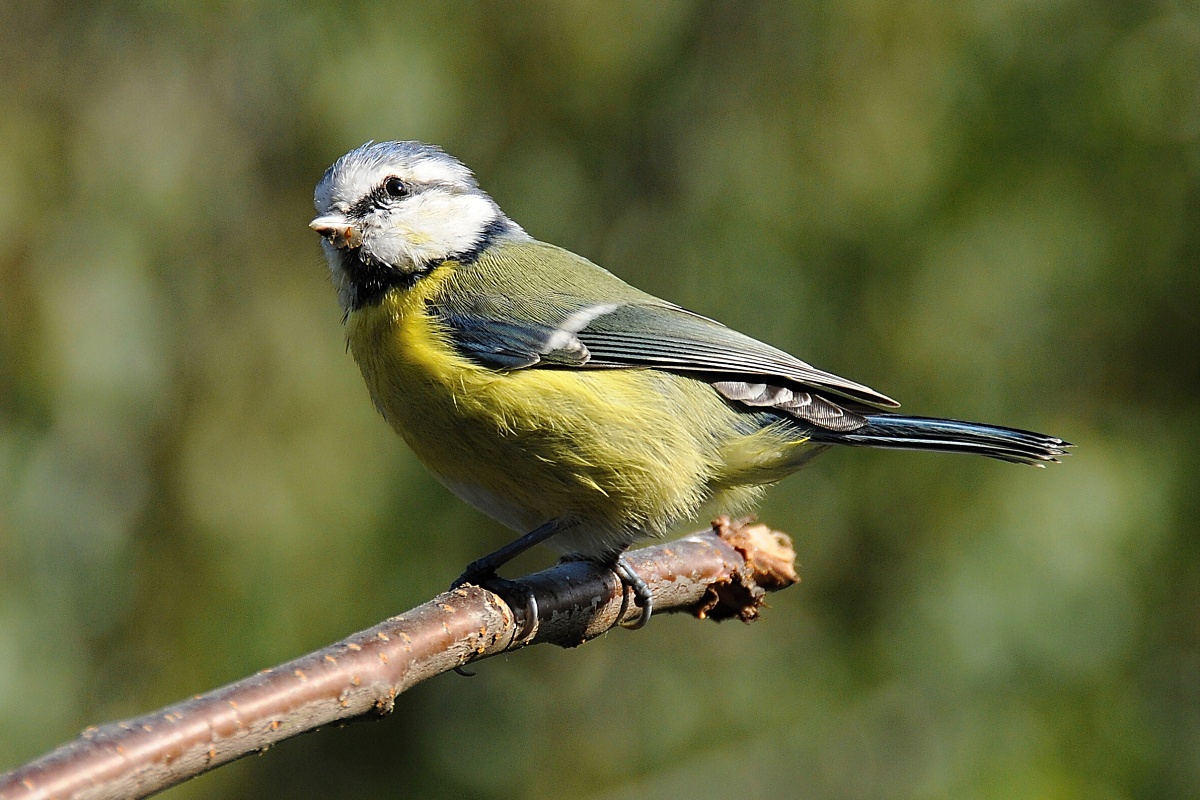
{"x":391,"y":211}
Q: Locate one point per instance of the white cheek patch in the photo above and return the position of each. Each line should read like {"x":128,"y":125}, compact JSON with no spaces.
{"x":435,"y":225}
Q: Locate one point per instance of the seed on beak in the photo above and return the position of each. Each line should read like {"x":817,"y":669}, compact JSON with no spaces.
{"x":337,"y":231}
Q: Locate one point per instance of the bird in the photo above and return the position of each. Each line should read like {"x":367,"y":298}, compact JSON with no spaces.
{"x":572,"y":407}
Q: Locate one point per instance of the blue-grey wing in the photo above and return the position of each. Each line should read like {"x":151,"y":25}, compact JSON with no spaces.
{"x":503,"y":333}
{"x":505,"y":344}
{"x":562,"y":332}
{"x":669,"y":337}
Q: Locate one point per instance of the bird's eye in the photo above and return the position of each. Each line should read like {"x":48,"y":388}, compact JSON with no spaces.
{"x":395,"y":187}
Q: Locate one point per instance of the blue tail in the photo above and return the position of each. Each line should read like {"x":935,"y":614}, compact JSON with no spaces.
{"x":949,"y":436}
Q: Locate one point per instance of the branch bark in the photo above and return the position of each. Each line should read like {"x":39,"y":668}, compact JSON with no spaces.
{"x":716,"y":574}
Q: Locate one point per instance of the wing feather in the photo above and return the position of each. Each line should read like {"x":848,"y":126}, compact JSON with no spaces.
{"x":552,"y":327}
{"x":666,"y":336}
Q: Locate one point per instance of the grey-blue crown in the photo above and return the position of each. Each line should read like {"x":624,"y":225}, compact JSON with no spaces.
{"x":372,"y":155}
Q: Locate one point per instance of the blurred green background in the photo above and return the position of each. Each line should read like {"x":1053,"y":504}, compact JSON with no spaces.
{"x":986,"y":209}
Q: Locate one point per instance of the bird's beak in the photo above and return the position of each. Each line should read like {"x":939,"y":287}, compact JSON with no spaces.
{"x":338,"y":231}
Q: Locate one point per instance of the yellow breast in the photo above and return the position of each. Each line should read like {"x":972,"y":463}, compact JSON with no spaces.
{"x":617,"y":451}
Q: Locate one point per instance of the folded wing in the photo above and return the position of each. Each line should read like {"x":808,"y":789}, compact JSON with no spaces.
{"x":559,"y":331}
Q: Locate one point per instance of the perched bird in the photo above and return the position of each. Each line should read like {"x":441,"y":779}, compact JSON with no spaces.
{"x":550,"y":394}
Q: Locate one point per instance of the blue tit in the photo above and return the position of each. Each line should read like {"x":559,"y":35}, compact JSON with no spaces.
{"x":560,"y":400}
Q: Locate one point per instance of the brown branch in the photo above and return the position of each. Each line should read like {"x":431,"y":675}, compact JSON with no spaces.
{"x":719,"y":574}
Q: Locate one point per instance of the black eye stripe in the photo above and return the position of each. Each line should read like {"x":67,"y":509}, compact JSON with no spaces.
{"x":387,"y":192}
{"x":380,"y":197}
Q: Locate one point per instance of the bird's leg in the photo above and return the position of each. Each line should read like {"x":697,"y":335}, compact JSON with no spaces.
{"x":482,"y":569}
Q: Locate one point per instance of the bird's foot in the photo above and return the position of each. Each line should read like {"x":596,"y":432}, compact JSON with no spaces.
{"x":516,"y":595}
{"x":642,"y":595}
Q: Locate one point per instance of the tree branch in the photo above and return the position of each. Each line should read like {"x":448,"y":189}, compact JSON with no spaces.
{"x":718,"y":575}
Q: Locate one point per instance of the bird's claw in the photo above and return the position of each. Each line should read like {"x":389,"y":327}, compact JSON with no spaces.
{"x":508,"y":591}
{"x":642,"y":595}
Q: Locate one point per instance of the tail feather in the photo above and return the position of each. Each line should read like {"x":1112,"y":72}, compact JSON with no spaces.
{"x":950,"y":436}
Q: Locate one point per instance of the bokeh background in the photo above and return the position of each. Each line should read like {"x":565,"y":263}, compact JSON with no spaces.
{"x":986,"y":209}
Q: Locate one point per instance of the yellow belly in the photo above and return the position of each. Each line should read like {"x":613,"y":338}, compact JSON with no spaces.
{"x":617,"y":453}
